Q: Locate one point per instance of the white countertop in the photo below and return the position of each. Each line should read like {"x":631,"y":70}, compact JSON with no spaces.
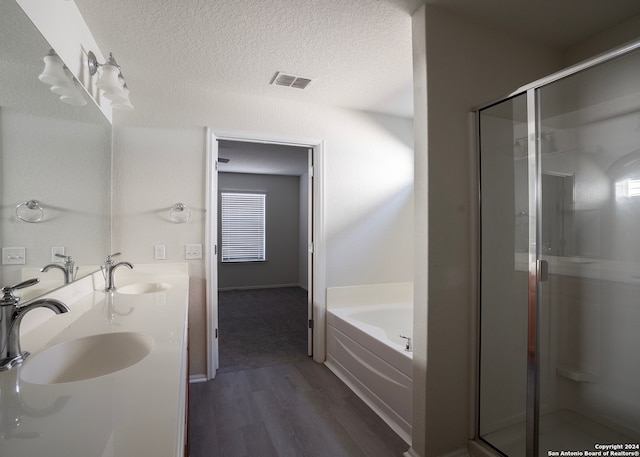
{"x":138,"y":411}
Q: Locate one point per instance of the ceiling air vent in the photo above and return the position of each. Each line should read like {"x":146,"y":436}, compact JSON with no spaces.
{"x":283,"y":79}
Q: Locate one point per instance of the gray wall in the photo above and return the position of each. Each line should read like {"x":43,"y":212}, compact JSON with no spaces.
{"x":282,"y":232}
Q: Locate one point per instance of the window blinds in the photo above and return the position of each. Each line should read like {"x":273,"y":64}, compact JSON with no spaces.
{"x":243,"y":227}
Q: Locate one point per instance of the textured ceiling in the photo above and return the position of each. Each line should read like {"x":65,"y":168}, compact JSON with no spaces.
{"x":358,"y":52}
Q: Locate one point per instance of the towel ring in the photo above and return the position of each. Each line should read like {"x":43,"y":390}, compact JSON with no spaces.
{"x":30,"y":211}
{"x":180,"y":213}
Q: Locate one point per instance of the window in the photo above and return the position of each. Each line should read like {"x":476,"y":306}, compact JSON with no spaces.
{"x":243,"y":227}
{"x":628,"y":188}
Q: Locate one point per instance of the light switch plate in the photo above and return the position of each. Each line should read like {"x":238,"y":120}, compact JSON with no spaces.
{"x":159,"y":252}
{"x":193,"y":252}
{"x":14,"y":256}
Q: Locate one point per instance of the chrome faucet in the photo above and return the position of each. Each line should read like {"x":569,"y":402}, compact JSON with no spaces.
{"x":407,"y":347}
{"x":10,"y":318}
{"x":69,"y":269}
{"x":108,"y":269}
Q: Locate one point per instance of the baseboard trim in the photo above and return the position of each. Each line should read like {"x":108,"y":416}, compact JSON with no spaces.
{"x":197,"y":378}
{"x":266,"y":286}
{"x":479,"y":449}
{"x":462,"y":452}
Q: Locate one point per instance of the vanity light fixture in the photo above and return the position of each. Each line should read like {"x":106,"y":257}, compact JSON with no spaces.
{"x":62,"y":82}
{"x":110,"y":81}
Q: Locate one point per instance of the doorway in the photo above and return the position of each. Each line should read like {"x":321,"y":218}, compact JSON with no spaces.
{"x":241,"y":164}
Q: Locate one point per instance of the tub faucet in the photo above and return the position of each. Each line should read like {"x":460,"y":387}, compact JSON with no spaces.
{"x":109,"y":269}
{"x":10,"y":318}
{"x":69,"y":269}
{"x":407,"y":347}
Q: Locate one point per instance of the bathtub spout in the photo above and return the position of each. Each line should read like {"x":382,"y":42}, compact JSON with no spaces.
{"x":408,"y":347}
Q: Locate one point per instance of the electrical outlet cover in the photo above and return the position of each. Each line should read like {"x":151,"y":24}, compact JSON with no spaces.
{"x":159,"y":252}
{"x":193,"y":252}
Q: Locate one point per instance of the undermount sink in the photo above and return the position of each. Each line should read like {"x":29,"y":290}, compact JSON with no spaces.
{"x":144,"y":288}
{"x":87,"y":358}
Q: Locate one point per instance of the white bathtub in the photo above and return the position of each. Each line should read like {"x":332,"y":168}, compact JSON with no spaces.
{"x":365,"y":351}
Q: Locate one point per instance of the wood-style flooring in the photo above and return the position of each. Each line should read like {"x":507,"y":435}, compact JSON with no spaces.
{"x":269,"y":399}
{"x":290,"y":410}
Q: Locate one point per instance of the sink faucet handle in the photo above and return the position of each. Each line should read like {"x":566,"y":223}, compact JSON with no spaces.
{"x":7,"y":292}
{"x":111,"y":256}
{"x":67,"y":258}
{"x":22,"y":285}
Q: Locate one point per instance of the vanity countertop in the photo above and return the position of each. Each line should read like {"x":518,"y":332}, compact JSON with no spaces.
{"x":138,"y":411}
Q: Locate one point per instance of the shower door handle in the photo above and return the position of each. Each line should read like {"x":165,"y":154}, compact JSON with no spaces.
{"x":543,"y":270}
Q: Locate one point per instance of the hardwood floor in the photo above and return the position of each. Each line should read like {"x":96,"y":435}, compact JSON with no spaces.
{"x":269,"y":399}
{"x":296,"y":409}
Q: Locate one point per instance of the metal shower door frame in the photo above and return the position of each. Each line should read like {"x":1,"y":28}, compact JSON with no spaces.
{"x":537,"y":268}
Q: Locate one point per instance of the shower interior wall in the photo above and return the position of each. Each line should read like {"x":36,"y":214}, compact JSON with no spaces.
{"x":593,"y":316}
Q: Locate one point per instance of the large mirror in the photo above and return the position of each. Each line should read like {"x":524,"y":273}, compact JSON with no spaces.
{"x":55,"y":167}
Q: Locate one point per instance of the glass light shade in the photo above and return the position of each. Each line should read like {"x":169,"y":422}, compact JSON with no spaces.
{"x":114,"y":95}
{"x":69,"y":91}
{"x":109,"y":81}
{"x":53,"y":72}
{"x":123,"y":103}
{"x":120,"y":96}
{"x":126,"y":105}
{"x":64,"y":88}
{"x":76,"y":100}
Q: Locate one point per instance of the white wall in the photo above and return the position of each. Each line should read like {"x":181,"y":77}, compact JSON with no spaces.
{"x":159,"y":157}
{"x":459,"y":64}
{"x":154,"y":168}
{"x":281,"y":231}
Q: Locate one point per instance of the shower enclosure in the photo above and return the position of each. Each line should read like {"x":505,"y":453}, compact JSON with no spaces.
{"x":559,"y":352}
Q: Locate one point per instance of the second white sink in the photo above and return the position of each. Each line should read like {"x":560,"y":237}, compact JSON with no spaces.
{"x":87,"y":358}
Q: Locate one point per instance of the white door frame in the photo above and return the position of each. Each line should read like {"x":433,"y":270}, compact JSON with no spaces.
{"x":211,"y":258}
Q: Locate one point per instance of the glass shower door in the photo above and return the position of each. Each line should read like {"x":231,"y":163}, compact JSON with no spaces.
{"x":589,"y":307}
{"x":504,"y":272}
{"x":559,"y":346}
